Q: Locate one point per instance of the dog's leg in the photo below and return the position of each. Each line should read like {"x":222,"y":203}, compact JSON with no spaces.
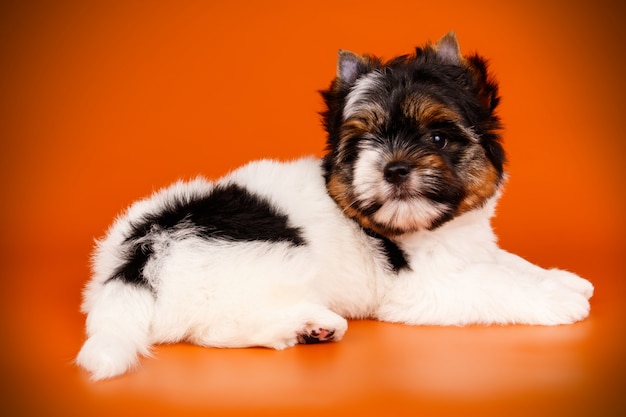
{"x":276,"y":328}
{"x":508,"y":290}
{"x":118,"y":326}
{"x":567,"y":279}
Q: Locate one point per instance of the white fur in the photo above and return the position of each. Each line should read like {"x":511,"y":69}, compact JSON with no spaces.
{"x":237,"y":294}
{"x":412,"y":212}
{"x":357,"y":101}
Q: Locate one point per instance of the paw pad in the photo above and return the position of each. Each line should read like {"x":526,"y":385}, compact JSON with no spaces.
{"x":312,"y":336}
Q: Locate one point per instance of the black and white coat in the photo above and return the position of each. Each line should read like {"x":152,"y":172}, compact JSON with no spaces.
{"x":279,"y":253}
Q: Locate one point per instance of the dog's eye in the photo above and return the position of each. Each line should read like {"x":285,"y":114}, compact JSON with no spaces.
{"x":439,"y":140}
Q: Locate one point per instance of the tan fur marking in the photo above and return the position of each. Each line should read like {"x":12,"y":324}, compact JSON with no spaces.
{"x":358,"y":124}
{"x":428,"y":111}
{"x":432,"y":161}
{"x":482,"y":185}
{"x":340,"y":192}
{"x":368,"y":117}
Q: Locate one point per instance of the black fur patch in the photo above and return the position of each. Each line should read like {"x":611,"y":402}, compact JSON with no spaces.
{"x":395,"y":256}
{"x":229,"y":212}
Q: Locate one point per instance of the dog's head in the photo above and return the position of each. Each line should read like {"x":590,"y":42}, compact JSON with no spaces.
{"x":412,"y":142}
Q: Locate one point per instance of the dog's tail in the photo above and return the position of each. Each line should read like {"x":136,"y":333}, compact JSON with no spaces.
{"x":118,"y":327}
{"x":120,"y":298}
{"x":119,"y":303}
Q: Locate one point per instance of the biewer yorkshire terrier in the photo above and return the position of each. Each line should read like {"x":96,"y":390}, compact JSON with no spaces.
{"x":393,"y":224}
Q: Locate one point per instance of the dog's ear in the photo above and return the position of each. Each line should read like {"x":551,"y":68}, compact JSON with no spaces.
{"x":485,"y":84}
{"x":448,"y":49}
{"x":350,"y":66}
{"x":449,"y":52}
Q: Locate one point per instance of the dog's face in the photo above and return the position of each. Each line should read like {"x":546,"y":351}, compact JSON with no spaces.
{"x":412,"y":142}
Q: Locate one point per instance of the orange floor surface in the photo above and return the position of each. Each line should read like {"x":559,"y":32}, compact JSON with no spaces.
{"x":103,"y":102}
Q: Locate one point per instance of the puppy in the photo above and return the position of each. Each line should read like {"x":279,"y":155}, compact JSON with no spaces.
{"x":392,"y":224}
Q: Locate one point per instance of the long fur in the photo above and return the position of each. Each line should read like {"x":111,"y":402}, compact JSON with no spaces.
{"x":392,"y":224}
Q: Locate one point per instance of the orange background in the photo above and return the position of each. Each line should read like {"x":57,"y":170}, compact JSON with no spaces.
{"x":102,"y":103}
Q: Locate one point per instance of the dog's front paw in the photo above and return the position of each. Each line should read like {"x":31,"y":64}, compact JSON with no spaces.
{"x":572,"y":281}
{"x":564,"y":298}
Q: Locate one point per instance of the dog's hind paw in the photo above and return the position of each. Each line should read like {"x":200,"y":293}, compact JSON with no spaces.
{"x":311,"y":336}
{"x":306,"y":324}
{"x":328,"y":327}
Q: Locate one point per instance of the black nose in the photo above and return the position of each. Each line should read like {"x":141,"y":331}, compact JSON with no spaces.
{"x":397,"y":172}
